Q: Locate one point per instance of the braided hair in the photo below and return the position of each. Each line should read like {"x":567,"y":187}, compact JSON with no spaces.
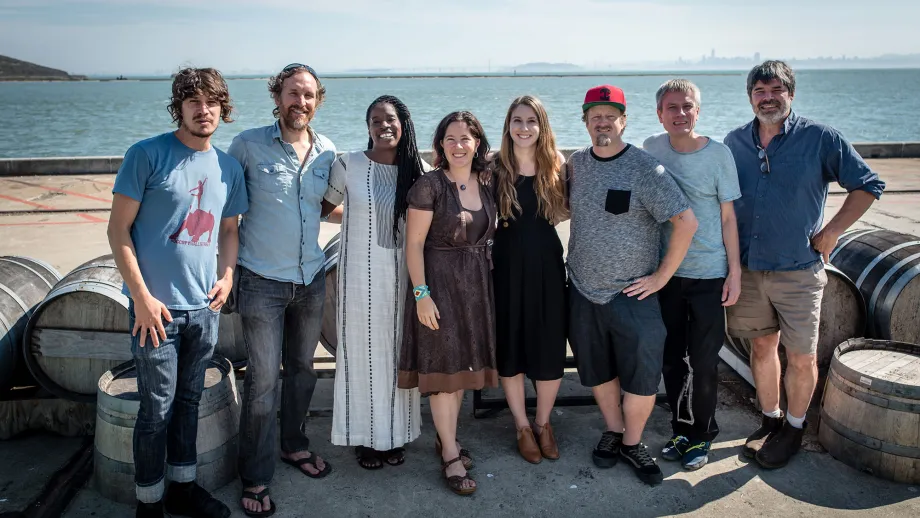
{"x":408,"y":161}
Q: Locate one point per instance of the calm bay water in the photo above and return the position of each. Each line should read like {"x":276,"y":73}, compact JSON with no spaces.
{"x":104,"y":118}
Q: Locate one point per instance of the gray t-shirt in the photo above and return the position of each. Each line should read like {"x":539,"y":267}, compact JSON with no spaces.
{"x":618,"y":205}
{"x":708,"y":177}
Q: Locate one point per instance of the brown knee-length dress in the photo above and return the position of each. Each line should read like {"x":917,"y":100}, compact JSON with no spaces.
{"x":461,"y":353}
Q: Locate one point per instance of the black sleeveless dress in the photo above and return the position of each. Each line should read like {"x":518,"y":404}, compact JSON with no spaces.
{"x":529,"y":282}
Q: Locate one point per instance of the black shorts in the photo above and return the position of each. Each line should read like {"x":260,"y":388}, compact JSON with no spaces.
{"x":623,"y":338}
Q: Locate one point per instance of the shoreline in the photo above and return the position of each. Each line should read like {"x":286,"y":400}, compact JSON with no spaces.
{"x":442,"y":75}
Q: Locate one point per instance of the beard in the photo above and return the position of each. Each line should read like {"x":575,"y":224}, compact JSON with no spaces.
{"x":775,"y":117}
{"x":602,"y":140}
{"x":198,"y":133}
{"x":295,"y":121}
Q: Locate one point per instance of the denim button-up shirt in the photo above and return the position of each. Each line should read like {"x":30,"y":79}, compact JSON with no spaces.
{"x":779,"y":211}
{"x":278,"y":236}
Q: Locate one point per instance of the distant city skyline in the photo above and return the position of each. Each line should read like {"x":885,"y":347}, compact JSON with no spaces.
{"x":156,"y":37}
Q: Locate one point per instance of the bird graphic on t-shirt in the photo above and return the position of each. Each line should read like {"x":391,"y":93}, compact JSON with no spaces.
{"x":197,"y":222}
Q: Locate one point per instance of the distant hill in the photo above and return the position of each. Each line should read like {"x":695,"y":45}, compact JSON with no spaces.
{"x":530,"y":68}
{"x":17,"y":70}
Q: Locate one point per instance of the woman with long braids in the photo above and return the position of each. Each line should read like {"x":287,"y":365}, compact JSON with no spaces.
{"x":370,"y":411}
{"x":529,"y":274}
{"x":449,"y":339}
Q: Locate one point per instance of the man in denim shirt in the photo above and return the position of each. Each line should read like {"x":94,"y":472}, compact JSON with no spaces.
{"x":785,"y":163}
{"x":282,"y":282}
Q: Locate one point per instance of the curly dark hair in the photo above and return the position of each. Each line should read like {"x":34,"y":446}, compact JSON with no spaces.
{"x":189,"y":82}
{"x":480,"y":163}
{"x":408,"y":162}
{"x":275,"y":82}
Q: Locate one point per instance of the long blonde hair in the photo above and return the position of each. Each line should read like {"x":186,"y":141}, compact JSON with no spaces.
{"x":548,"y":181}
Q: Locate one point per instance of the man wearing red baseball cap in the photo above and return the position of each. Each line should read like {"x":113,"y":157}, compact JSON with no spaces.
{"x":620,"y":197}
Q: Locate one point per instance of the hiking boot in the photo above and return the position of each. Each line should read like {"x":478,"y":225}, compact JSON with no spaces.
{"x":675,"y":448}
{"x":154,"y":510}
{"x":696,"y":455}
{"x":645,"y":466}
{"x":190,"y":499}
{"x":608,"y":450}
{"x":779,"y":449}
{"x":768,"y":427}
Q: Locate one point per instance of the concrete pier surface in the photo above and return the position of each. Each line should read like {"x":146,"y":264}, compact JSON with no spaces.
{"x":62,"y":220}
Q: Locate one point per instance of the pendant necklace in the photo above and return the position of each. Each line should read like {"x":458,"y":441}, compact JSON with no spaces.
{"x":462,"y":185}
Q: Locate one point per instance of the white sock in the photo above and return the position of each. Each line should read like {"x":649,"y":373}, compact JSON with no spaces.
{"x":796,"y":422}
{"x":774,"y":414}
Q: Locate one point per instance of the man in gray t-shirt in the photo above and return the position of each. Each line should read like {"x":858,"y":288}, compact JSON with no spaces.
{"x":708,"y":278}
{"x":619,"y":198}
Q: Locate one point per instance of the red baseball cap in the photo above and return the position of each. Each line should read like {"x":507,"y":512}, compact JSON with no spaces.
{"x":605,"y":94}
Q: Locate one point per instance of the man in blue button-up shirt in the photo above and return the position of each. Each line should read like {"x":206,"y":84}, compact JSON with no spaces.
{"x":282,"y":282}
{"x":785,"y":163}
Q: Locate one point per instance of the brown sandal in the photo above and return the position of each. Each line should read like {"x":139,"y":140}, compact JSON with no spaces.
{"x":465,"y":454}
{"x":455,"y":482}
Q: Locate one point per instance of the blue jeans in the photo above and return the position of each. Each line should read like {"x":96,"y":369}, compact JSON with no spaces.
{"x":170,"y":380}
{"x":282,"y":322}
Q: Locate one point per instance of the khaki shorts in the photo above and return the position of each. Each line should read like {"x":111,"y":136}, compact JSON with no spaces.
{"x":788,"y":302}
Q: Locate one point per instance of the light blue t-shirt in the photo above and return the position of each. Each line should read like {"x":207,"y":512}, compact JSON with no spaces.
{"x":183,"y":195}
{"x":708,"y":177}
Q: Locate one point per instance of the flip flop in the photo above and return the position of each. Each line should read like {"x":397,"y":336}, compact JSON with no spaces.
{"x":258,"y":497}
{"x":311,"y":460}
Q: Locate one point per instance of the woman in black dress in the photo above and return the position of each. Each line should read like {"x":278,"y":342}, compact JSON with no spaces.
{"x":529,"y":271}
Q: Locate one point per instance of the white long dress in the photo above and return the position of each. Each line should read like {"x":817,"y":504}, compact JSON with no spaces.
{"x":369,"y":409}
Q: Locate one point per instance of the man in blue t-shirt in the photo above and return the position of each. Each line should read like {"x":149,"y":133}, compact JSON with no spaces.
{"x":176,"y":203}
{"x":707,"y":279}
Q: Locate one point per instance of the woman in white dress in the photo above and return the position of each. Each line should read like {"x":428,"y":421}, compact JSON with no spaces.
{"x":370,"y":411}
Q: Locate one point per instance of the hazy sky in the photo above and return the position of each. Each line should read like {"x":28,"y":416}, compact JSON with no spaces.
{"x":254,"y":36}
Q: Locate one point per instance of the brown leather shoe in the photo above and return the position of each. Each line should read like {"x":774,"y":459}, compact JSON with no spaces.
{"x":768,"y":428}
{"x":548,"y":443}
{"x":784,"y":444}
{"x":527,"y":445}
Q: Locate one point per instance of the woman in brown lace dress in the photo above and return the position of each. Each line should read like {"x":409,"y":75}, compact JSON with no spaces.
{"x":449,"y":340}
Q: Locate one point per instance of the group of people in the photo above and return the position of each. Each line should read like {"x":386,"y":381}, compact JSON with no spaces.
{"x":452,"y":277}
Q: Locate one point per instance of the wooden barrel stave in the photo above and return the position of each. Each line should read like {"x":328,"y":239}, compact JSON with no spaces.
{"x":870,"y":416}
{"x":886,"y":267}
{"x":328,"y":336}
{"x":24,"y":282}
{"x":218,"y":423}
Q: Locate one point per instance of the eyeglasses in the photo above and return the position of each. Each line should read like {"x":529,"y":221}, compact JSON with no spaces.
{"x":295,"y":66}
{"x":765,"y":160}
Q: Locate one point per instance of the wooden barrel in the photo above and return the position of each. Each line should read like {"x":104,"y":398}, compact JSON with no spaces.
{"x":843,"y":316}
{"x":24,"y":282}
{"x":82,"y":329}
{"x":870,"y":415}
{"x":116,"y":413}
{"x":328,"y":335}
{"x":886,"y":267}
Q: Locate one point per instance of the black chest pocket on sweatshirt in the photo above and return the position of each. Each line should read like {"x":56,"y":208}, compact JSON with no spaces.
{"x":617,"y":201}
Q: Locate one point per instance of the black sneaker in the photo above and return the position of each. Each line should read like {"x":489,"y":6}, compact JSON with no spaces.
{"x":608,"y":450}
{"x":190,"y":499}
{"x":646,"y":468}
{"x":154,"y":510}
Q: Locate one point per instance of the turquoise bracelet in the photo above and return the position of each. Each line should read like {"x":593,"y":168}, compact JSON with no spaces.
{"x":421,"y":292}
